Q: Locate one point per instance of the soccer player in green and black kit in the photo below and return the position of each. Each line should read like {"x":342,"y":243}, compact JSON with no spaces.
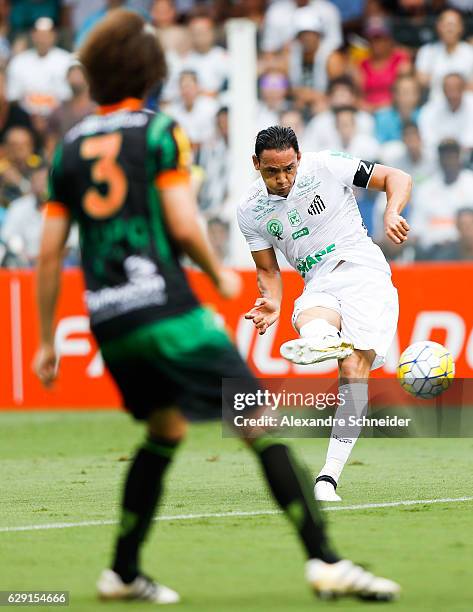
{"x":122,"y":175}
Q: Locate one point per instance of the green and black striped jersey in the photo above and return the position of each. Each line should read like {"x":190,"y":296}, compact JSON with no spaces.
{"x":107,"y":175}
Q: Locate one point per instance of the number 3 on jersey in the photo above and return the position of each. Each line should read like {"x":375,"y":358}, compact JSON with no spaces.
{"x":105,"y":170}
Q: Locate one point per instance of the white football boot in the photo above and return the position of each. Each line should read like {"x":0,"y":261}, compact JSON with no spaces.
{"x":111,"y":587}
{"x":325,"y":491}
{"x":316,"y":349}
{"x":345,"y":579}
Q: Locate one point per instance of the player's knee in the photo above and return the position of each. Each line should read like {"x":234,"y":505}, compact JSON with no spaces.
{"x":169,"y":424}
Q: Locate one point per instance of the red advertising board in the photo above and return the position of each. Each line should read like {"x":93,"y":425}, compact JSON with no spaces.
{"x":435,"y":302}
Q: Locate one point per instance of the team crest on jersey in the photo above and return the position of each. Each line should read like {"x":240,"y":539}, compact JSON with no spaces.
{"x":316,"y":206}
{"x":275,"y":228}
{"x":294,"y":217}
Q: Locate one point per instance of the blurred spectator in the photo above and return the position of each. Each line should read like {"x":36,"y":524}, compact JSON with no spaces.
{"x":219,"y":237}
{"x":450,"y":116}
{"x":176,"y":60}
{"x":73,"y":110}
{"x":460,"y":249}
{"x":413,"y":157}
{"x":4,"y":32}
{"x":279,"y":29}
{"x":349,"y":139}
{"x":11,"y":114}
{"x":214,"y":160}
{"x":410,"y":155}
{"x":413,"y":22}
{"x":76,"y":12}
{"x":21,"y":228}
{"x":449,"y":55}
{"x":208,"y":60}
{"x":194,"y":112}
{"x":321,"y":132}
{"x":378,"y":72}
{"x":405,"y":107}
{"x":437,"y":200}
{"x":310,"y":65}
{"x":17,"y":164}
{"x":140,"y":6}
{"x":164,"y":18}
{"x":25,"y":13}
{"x":273,"y":87}
{"x":293,"y":118}
{"x":36,"y":78}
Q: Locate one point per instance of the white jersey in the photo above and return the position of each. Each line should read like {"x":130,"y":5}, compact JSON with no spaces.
{"x":319,"y":223}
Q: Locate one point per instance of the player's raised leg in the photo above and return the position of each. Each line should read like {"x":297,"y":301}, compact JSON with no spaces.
{"x":320,"y":337}
{"x":353,"y":389}
{"x":142,"y":490}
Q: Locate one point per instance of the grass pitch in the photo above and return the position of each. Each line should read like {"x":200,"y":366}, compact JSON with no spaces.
{"x":66,"y":468}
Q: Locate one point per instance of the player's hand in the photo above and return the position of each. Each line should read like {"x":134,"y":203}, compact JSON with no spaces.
{"x":263,"y":314}
{"x":45,"y":364}
{"x":396,"y":227}
{"x":228,"y":284}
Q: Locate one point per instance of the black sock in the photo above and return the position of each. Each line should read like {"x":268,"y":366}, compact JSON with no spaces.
{"x":143,"y":487}
{"x":292,"y":489}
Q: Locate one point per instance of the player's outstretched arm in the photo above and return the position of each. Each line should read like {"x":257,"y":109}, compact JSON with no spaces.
{"x":48,"y":277}
{"x":398,"y":186}
{"x":180,"y":212}
{"x":267,"y":308}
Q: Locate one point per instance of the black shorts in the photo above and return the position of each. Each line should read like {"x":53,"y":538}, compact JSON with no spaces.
{"x":178,"y":361}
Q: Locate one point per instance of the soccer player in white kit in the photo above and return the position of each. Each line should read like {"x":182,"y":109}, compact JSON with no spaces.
{"x":303,"y":205}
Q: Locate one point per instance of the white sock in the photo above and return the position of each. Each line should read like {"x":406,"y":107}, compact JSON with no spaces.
{"x":316,"y":328}
{"x":340,"y":446}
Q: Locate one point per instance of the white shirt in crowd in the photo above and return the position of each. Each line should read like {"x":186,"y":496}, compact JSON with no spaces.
{"x":23,"y":220}
{"x":39,"y":83}
{"x":319,"y":223}
{"x":433,"y":59}
{"x":396,"y":155}
{"x":212,"y":68}
{"x":278,"y":27}
{"x":434,"y":206}
{"x":437,"y":122}
{"x":199,"y":121}
{"x":321,"y":131}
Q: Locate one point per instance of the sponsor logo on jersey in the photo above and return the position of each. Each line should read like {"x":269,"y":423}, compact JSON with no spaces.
{"x":317,"y":206}
{"x":265,"y":213}
{"x":294,"y":217}
{"x":275,"y":228}
{"x":305,"y":264}
{"x":305,"y":181}
{"x":341,"y":154}
{"x":302,"y":232}
{"x":254,"y":195}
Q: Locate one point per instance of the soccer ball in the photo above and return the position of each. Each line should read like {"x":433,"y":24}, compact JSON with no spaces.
{"x":425,"y":369}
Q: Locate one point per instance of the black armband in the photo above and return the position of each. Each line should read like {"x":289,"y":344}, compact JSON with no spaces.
{"x":363,"y":173}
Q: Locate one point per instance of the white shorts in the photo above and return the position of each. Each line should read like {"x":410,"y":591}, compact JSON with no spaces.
{"x":366,"y":301}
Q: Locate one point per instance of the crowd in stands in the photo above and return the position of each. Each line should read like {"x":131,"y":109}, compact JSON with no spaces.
{"x":385,"y":80}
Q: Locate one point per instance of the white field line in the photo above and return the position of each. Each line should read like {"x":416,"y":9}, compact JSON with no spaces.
{"x":238,"y":513}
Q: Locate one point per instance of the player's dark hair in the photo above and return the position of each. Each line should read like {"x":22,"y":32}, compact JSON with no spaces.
{"x":276,"y":138}
{"x":122,"y":58}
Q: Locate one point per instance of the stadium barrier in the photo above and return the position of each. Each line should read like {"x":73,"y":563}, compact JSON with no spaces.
{"x":435,"y":302}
